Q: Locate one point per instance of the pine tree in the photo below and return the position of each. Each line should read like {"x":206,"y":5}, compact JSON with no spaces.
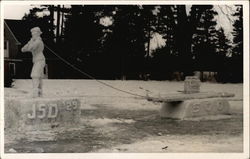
{"x":238,"y":33}
{"x":237,"y":52}
{"x":132,"y":27}
{"x":185,"y":29}
{"x":167,"y":56}
{"x":167,"y":27}
{"x":83,"y":38}
{"x":222,"y":43}
{"x":83,"y":29}
{"x":204,"y":45}
{"x":223,"y":47}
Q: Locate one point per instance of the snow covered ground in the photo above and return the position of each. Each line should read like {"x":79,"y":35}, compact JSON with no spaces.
{"x":114,"y":121}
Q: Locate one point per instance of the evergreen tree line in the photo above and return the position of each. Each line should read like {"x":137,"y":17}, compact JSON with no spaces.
{"x":113,"y":41}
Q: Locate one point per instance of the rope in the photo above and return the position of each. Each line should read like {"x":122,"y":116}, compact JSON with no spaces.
{"x":91,"y":77}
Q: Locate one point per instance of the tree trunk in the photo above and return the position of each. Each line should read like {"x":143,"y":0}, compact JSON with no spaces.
{"x":51,"y":10}
{"x":62,"y":22}
{"x":58,"y":24}
{"x":148,"y":46}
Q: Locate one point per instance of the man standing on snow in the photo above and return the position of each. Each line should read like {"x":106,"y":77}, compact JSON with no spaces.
{"x":36,"y":47}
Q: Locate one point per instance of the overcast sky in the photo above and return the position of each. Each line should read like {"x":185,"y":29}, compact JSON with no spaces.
{"x":16,"y":11}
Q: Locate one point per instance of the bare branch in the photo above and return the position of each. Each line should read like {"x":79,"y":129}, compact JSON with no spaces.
{"x":227,"y":10}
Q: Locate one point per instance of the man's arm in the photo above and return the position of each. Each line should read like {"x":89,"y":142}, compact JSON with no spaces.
{"x":32,"y":45}
{"x":25,"y":47}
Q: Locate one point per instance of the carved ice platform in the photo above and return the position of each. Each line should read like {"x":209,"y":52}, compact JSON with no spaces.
{"x":24,"y":114}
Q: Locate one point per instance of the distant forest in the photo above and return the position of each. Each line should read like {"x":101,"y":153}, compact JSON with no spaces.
{"x":114,"y":41}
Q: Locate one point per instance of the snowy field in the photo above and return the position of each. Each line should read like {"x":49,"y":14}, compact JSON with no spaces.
{"x":113,"y":121}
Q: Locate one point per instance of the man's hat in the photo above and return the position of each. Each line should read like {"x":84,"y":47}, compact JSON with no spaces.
{"x":36,"y":29}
